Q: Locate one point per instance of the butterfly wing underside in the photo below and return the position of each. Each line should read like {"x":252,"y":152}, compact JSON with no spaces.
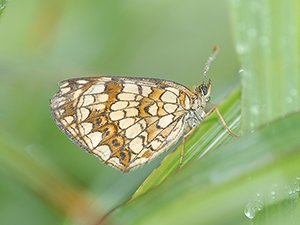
{"x":125,"y":122}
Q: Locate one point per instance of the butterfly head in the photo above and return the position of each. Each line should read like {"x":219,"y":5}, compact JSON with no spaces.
{"x":203,"y":90}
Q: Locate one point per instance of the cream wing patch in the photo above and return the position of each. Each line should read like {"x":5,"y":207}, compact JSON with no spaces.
{"x":85,"y":128}
{"x":65,"y":90}
{"x":131,"y":88}
{"x":119,"y":105}
{"x":126,"y":97}
{"x":82,"y":114}
{"x":127,"y":122}
{"x":136,"y":145}
{"x":170,"y":108}
{"x":153,"y":109}
{"x":103,"y":151}
{"x":174,"y":90}
{"x":101,"y":98}
{"x":116,"y":115}
{"x":169,"y":97}
{"x":133,"y":131}
{"x":95,"y":138}
{"x":165,"y":121}
{"x":132,"y":112}
{"x":146,"y":90}
{"x":87,"y":100}
{"x":95,"y":89}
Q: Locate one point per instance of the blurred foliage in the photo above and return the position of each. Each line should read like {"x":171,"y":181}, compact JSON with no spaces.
{"x":3,"y":4}
{"x":46,"y":179}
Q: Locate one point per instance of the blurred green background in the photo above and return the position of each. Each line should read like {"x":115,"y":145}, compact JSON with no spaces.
{"x":46,"y":179}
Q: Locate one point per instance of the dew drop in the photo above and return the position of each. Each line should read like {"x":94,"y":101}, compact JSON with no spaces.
{"x":289,"y":100}
{"x":241,"y":70}
{"x":255,"y":109}
{"x":249,"y":210}
{"x":242,"y":48}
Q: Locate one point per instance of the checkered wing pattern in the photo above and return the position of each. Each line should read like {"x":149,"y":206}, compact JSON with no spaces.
{"x":125,"y":122}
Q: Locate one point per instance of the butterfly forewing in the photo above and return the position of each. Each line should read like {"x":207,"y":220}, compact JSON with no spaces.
{"x":124,"y":121}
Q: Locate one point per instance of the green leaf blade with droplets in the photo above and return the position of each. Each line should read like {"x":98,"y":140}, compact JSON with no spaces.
{"x":267,"y":35}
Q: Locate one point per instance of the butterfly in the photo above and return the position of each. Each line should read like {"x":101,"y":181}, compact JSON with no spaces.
{"x":127,"y":121}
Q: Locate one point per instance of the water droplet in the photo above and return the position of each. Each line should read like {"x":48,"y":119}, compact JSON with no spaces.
{"x":3,"y":5}
{"x":249,"y":210}
{"x":242,"y":48}
{"x":297,"y":184}
{"x":241,"y":70}
{"x":289,"y":100}
{"x":255,"y":109}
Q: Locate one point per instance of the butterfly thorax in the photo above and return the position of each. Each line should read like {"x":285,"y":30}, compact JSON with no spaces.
{"x":197,"y":113}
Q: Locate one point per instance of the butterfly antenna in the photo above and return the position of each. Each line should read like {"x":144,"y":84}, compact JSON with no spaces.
{"x":210,"y":59}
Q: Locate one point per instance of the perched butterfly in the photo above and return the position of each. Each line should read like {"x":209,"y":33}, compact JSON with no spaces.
{"x":128,"y":121}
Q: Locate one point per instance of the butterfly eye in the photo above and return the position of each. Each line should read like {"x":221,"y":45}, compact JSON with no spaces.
{"x":204,"y":89}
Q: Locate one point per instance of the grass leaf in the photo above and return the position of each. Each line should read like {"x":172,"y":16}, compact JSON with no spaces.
{"x":267,"y":34}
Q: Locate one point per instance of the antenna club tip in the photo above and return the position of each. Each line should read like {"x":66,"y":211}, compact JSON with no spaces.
{"x":216,"y":49}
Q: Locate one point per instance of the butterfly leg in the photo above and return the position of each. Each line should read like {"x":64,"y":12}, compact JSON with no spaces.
{"x":216,"y":109}
{"x":213,"y":104}
{"x":182,"y":147}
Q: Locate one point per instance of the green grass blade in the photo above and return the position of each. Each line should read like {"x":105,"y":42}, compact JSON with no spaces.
{"x":267,"y":34}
